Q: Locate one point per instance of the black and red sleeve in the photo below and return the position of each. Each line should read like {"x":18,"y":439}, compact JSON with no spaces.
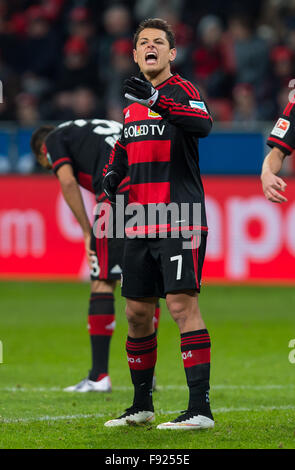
{"x":56,"y":150}
{"x":186,"y":110}
{"x":282,"y":135}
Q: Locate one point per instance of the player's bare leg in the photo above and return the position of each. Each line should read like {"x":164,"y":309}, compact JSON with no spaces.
{"x":185,"y":311}
{"x":140,"y":314}
{"x":103,"y":286}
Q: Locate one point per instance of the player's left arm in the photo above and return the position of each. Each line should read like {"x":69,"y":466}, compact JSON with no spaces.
{"x":187,"y":111}
{"x":73,"y":197}
{"x":282,"y":142}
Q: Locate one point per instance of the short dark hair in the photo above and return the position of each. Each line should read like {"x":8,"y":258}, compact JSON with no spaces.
{"x":38,"y":137}
{"x":156,"y":23}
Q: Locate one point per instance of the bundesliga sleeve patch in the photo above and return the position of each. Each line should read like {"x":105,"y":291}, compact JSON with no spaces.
{"x":198,"y":104}
{"x":281,"y":128}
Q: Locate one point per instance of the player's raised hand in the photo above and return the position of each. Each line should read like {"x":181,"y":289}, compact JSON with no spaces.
{"x":140,"y":91}
{"x":271,"y":185}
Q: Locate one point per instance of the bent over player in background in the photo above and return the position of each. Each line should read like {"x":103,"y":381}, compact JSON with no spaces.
{"x":77,"y":151}
{"x":282,"y":141}
{"x":159,"y":146}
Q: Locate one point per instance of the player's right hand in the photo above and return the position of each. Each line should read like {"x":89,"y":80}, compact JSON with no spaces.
{"x":110,"y":185}
{"x":140,"y":91}
{"x":271,"y":184}
{"x":89,"y":252}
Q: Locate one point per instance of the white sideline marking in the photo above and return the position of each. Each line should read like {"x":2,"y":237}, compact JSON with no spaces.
{"x":159,"y":387}
{"x":50,"y":418}
{"x":161,"y":412}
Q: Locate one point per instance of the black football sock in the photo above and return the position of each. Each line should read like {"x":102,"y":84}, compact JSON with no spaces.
{"x":142,"y":356}
{"x":195,"y":349}
{"x":101,"y":322}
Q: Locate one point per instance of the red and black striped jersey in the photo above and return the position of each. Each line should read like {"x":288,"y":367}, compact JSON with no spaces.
{"x":159,"y":146}
{"x":283,"y":134}
{"x":86,"y":145}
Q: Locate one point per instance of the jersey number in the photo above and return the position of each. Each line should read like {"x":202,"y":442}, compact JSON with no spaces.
{"x":95,"y":267}
{"x":177,"y":258}
{"x":106,"y":127}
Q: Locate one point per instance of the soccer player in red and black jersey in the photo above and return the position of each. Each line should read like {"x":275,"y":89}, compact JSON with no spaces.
{"x":77,"y":151}
{"x":282,"y":141}
{"x":159,"y":147}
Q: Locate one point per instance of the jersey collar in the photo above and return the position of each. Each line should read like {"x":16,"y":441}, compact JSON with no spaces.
{"x":165,"y":82}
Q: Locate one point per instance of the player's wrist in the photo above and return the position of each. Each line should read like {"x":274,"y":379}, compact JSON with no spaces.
{"x":154,"y":98}
{"x":266,"y":171}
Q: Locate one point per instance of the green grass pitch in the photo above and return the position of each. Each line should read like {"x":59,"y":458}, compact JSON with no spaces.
{"x":46,"y":347}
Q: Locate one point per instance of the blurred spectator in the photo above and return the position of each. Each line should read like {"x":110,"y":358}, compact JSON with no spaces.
{"x":117,"y":21}
{"x":52,"y":8}
{"x":156,"y":9}
{"x":79,"y":103}
{"x":193,"y":11}
{"x":6,"y":113}
{"x":291,"y":40}
{"x":281,"y":72}
{"x":251,"y":55}
{"x":245,"y":109}
{"x":40,"y":48}
{"x":80,"y":24}
{"x":221,"y":109}
{"x":35,"y":85}
{"x":211,"y":63}
{"x":122,"y":66}
{"x":77,"y":67}
{"x":26,"y":112}
{"x":282,"y":98}
{"x":3,"y":8}
{"x":85,"y":104}
{"x":10,"y":86}
{"x":282,"y":61}
{"x":18,"y":24}
{"x":117,"y":24}
{"x":183,"y":39}
{"x":59,"y":108}
{"x":63,"y":59}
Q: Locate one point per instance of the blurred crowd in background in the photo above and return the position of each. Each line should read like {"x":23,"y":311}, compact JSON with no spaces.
{"x":67,"y":59}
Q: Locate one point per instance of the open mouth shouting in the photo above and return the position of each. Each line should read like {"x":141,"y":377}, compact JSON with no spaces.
{"x":151,"y":58}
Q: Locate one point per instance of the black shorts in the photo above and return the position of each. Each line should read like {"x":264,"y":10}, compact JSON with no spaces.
{"x":107,"y":262}
{"x":156,"y":267}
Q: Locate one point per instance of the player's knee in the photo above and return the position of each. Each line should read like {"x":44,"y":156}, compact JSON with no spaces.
{"x":103,"y":286}
{"x":136,"y":317}
{"x":178,"y":311}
